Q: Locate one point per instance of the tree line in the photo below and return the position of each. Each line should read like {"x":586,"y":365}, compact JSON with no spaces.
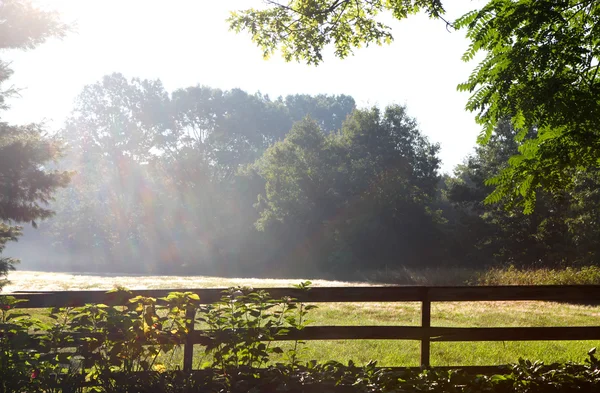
{"x":208,"y":181}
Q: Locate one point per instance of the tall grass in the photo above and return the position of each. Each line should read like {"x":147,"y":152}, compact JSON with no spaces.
{"x":586,"y":275}
{"x":452,"y":276}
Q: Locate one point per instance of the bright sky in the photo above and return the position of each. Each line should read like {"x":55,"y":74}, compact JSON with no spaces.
{"x":187,"y":42}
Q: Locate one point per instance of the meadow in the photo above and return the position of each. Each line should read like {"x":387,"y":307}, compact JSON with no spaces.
{"x":385,"y":352}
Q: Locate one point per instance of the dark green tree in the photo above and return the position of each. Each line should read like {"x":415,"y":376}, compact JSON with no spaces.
{"x":560,"y":230}
{"x":541,"y":72}
{"x":357,"y":199}
{"x":26,"y":152}
{"x":391,"y":192}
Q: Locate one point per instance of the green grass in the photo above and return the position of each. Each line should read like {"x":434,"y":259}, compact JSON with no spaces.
{"x":406,"y":353}
{"x":475,"y":314}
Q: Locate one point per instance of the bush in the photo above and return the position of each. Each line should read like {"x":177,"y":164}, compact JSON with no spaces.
{"x":333,"y":377}
{"x":108,"y":348}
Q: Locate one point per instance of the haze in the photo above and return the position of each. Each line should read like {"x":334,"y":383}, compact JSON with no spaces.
{"x":184,"y":43}
{"x":178,"y":132}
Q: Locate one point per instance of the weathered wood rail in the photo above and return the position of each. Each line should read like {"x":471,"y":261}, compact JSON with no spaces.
{"x":425,"y":295}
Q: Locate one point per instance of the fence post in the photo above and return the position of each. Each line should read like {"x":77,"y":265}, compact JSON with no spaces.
{"x":188,"y":346}
{"x":426,"y":324}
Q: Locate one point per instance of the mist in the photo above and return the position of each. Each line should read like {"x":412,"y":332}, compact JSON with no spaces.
{"x":146,"y":179}
{"x":230,"y":183}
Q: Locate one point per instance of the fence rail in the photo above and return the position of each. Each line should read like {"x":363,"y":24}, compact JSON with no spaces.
{"x":425,"y":295}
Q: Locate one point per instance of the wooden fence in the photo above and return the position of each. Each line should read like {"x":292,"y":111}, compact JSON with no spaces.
{"x":425,"y":295}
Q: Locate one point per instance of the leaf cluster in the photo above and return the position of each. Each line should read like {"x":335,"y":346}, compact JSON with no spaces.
{"x":540,"y":71}
{"x":103,"y":347}
{"x":301,"y":29}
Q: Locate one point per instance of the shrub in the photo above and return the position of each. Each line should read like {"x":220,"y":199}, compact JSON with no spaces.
{"x":112,"y":346}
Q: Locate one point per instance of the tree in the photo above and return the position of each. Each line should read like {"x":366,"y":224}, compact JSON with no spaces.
{"x":389,"y":215}
{"x":117,"y":131}
{"x":328,"y":111}
{"x":561,"y":230}
{"x":120,"y":119}
{"x":540,"y":71}
{"x":357,"y":199}
{"x":301,"y":29}
{"x":157,"y":187}
{"x":26,"y":182}
{"x":232,"y":127}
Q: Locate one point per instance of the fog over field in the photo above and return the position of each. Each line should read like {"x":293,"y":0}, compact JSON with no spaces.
{"x":44,"y":281}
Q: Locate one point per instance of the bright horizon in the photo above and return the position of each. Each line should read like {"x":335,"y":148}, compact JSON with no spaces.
{"x":186,"y":43}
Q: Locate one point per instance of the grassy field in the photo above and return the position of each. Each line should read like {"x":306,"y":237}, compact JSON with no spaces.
{"x":386,"y":352}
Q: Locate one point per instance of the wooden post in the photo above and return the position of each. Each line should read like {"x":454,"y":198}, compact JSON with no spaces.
{"x":188,"y":347}
{"x":425,"y":323}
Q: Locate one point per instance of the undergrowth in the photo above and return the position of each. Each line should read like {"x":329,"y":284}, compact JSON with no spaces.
{"x":586,"y":275}
{"x":122,"y":349}
{"x":456,"y":276}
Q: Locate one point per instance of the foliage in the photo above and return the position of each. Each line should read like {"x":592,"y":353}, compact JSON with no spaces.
{"x":171,"y":180}
{"x":239,"y":323}
{"x":559,"y":232}
{"x":365,"y":192}
{"x":116,"y":349}
{"x":502,"y":275}
{"x":213,"y":182}
{"x":525,"y":376}
{"x":26,"y":182}
{"x":129,"y":339}
{"x":301,"y":29}
{"x":121,"y":342}
{"x":27,"y":26}
{"x":113,"y":345}
{"x":540,"y":70}
{"x":15,"y":363}
{"x":156,"y":176}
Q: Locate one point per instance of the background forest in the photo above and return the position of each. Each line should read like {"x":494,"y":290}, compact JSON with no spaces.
{"x":206,"y":181}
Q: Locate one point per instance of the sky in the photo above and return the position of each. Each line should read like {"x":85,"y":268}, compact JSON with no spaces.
{"x":188,"y":42}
